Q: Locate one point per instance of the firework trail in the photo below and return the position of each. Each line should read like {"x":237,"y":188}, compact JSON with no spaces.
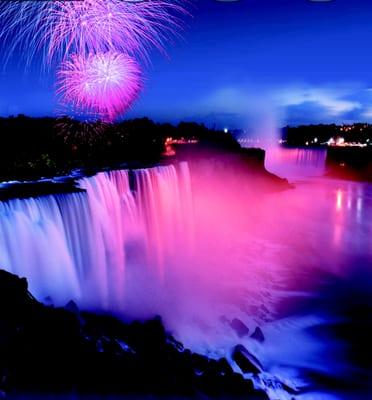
{"x":60,"y":28}
{"x":102,"y":84}
{"x":75,"y":132}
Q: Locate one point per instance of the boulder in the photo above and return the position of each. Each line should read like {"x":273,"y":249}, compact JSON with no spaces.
{"x":258,"y":335}
{"x":239,"y":327}
{"x":245,"y":360}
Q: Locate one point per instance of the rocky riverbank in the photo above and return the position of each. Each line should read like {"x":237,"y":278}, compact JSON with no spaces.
{"x":241,"y":169}
{"x":44,"y":349}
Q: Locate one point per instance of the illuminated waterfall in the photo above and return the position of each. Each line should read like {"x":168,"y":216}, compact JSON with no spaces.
{"x":295,"y":162}
{"x":82,"y":246}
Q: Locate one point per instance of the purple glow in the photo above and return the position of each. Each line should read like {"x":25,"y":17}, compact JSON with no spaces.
{"x":104,"y":84}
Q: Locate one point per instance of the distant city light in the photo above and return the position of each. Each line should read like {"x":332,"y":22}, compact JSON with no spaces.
{"x":226,"y":130}
{"x":340,"y":142}
{"x":169,"y":142}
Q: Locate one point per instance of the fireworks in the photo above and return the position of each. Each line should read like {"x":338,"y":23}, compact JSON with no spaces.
{"x":96,"y":43}
{"x":80,"y":133}
{"x":59,"y":28}
{"x":105,"y":83}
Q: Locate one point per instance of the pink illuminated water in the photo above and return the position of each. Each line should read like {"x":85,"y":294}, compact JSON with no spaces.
{"x":195,"y":246}
{"x":296,"y":163}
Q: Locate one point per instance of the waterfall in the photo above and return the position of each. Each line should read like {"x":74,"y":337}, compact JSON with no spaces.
{"x":296,"y":162}
{"x":86,"y":246}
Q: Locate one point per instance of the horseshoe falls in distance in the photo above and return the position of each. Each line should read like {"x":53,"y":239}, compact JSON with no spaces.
{"x":86,"y":246}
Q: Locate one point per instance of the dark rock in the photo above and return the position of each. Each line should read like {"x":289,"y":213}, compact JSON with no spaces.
{"x":72,"y":306}
{"x":178,"y":345}
{"x":199,"y":363}
{"x":259,"y":395}
{"x":48,"y":301}
{"x":239,"y":327}
{"x":61,"y":350}
{"x":15,"y":300}
{"x":246,"y":361}
{"x":224,"y":366}
{"x":258,"y":335}
{"x":33,"y":189}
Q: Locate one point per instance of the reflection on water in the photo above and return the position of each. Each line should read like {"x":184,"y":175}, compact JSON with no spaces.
{"x":329,"y":225}
{"x":327,"y":259}
{"x":298,"y":263}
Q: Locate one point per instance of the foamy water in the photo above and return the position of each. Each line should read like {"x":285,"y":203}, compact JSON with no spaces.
{"x":296,"y":263}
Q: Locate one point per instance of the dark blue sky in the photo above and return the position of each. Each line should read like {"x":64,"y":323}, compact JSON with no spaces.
{"x":271,"y":61}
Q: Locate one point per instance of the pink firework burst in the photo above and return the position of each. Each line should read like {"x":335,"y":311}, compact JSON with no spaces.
{"x":102,"y":84}
{"x":60,"y":28}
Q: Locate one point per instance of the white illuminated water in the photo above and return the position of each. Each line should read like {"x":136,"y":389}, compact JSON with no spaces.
{"x":83,"y":246}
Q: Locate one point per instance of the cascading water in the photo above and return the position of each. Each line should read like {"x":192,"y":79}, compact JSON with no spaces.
{"x":82,"y":246}
{"x":296,"y":162}
{"x":145,"y":242}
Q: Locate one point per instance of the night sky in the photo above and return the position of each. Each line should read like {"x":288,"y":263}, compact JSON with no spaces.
{"x":270,"y":62}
